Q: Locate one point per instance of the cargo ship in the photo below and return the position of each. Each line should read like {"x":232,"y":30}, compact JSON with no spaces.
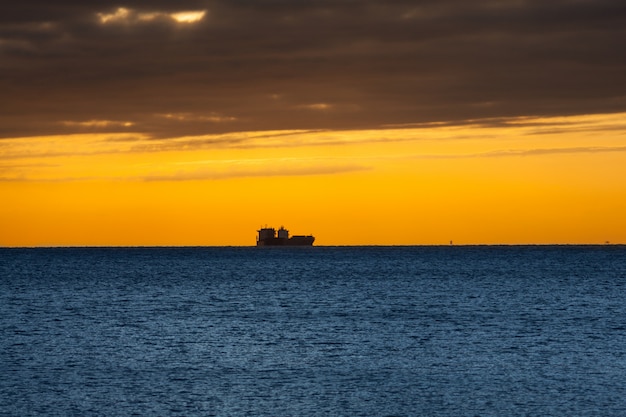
{"x":268,"y":236}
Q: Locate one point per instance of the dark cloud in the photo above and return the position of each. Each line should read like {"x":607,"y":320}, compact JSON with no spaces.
{"x":318,"y":64}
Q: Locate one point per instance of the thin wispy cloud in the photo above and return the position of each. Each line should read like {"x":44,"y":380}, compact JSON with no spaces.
{"x":552,"y":151}
{"x":186,"y":117}
{"x":503,"y":153}
{"x":206,"y":174}
{"x":134,"y":143}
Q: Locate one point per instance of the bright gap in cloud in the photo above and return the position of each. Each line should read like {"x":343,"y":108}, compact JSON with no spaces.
{"x":188,"y":16}
{"x":125,"y":15}
{"x":120,"y":14}
{"x":97,"y":123}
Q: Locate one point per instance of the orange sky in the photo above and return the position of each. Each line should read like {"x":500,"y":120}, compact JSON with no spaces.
{"x":384,"y":122}
{"x":529,"y":180}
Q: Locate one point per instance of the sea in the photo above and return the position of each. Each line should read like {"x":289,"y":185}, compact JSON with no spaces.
{"x":318,"y":331}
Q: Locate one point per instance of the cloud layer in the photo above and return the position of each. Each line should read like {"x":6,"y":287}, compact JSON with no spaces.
{"x":197,"y":67}
{"x":138,"y":157}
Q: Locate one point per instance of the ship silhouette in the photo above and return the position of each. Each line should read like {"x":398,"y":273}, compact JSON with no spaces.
{"x":268,"y":236}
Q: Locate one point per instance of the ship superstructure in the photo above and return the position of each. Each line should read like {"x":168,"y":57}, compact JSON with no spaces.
{"x":268,"y":236}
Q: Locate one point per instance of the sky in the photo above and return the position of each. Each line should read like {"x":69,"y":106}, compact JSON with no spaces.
{"x":395,"y":122}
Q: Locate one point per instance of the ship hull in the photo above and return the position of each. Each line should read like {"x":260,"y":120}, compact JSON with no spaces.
{"x":292,"y":241}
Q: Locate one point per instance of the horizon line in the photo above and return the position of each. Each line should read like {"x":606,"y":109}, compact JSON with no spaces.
{"x":308,"y":247}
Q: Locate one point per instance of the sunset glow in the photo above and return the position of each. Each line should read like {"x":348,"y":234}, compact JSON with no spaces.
{"x":125,"y":128}
{"x":188,"y":17}
{"x":124,"y":15}
{"x":469,"y":184}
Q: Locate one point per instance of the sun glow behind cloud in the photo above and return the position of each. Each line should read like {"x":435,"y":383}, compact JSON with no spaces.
{"x":97,"y":123}
{"x":126,"y":15}
{"x":120,"y":14}
{"x":189,"y":16}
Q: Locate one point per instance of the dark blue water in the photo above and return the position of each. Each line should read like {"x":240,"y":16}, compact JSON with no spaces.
{"x":358,"y":331}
